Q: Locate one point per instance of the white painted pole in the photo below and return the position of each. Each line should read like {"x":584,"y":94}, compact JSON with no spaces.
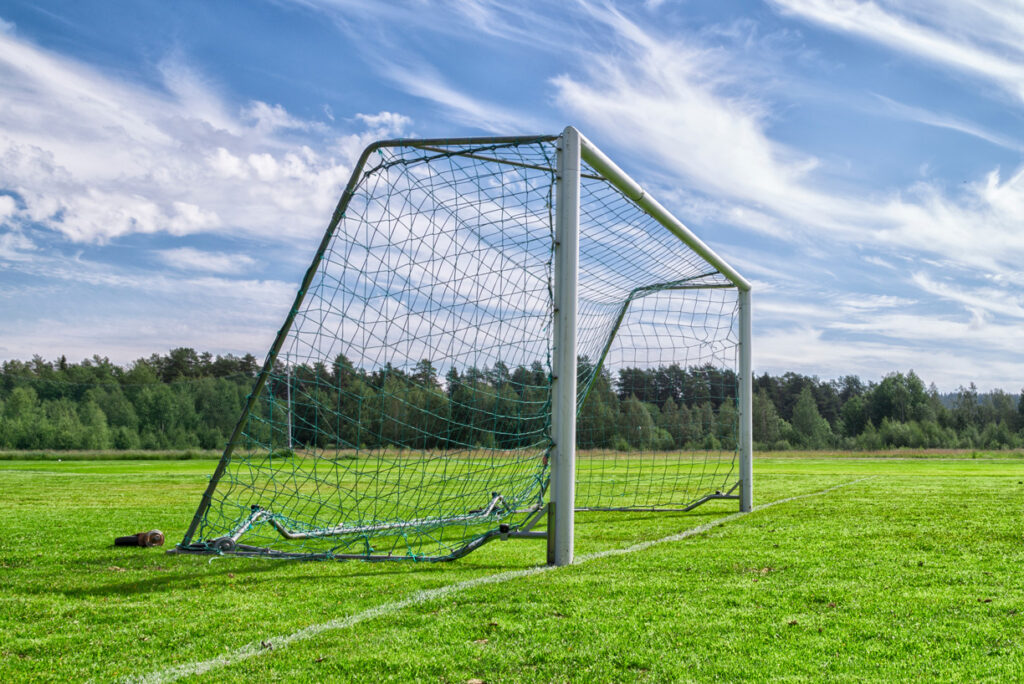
{"x":288,"y":401}
{"x":746,"y":407}
{"x":563,"y":390}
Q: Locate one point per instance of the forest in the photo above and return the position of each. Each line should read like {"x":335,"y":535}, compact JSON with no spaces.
{"x":186,"y":399}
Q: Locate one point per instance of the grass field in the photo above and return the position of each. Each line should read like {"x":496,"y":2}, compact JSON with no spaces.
{"x":909,"y":568}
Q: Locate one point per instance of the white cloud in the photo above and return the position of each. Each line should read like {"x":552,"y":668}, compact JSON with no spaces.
{"x":197,"y":98}
{"x":127,"y":311}
{"x":273,"y":117}
{"x":386,"y":122}
{"x":265,"y":166}
{"x":977,"y":228}
{"x":861,"y":303}
{"x":956,"y":35}
{"x":15,"y":246}
{"x":95,"y":158}
{"x":190,"y":259}
{"x":7,"y":207}
{"x":536,"y":25}
{"x":831,"y":355}
{"x":680,"y":107}
{"x":227,"y":165}
{"x":92,"y":159}
{"x":988,"y":300}
{"x":833,"y":334}
{"x":676,"y":105}
{"x":952,"y":123}
{"x":463,"y":108}
{"x":124,"y":336}
{"x":693,"y":113}
{"x":380,"y":126}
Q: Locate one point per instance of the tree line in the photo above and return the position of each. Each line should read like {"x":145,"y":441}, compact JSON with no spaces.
{"x":186,"y":399}
{"x":176,"y":401}
{"x":797,"y":411}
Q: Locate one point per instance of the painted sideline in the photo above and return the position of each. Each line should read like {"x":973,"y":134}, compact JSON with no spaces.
{"x":256,"y":648}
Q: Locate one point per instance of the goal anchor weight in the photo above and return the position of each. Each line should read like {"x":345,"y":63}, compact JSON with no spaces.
{"x":144,"y":539}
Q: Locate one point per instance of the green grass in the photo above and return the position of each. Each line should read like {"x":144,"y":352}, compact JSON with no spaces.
{"x":913,"y":573}
{"x":108,"y":455}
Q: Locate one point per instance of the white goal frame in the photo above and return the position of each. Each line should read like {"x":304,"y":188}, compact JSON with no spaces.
{"x":576,"y":157}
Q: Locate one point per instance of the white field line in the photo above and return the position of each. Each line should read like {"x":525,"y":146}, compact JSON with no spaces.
{"x":256,"y":648}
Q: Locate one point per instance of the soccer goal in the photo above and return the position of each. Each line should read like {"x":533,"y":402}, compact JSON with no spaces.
{"x":493,"y":333}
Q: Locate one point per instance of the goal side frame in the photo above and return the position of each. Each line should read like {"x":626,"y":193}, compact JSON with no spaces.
{"x":358,"y":171}
{"x":574,"y":147}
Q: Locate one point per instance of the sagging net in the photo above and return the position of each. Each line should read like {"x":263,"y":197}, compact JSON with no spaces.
{"x":407,"y":413}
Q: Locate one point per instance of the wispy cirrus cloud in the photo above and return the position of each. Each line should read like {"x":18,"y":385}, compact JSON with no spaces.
{"x":205,"y":301}
{"x":664,"y":98}
{"x":833,"y":353}
{"x":953,"y":123}
{"x":465,"y":109}
{"x":982,"y":39}
{"x":191,"y":259}
{"x":696,"y":127}
{"x":982,"y":301}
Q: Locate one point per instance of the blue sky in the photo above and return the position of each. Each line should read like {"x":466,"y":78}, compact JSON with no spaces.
{"x":166,"y":169}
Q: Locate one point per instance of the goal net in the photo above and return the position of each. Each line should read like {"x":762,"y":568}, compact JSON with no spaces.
{"x":406,"y":408}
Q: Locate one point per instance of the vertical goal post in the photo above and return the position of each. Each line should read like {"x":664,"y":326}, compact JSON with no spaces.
{"x":564,"y":371}
{"x":477,"y":253}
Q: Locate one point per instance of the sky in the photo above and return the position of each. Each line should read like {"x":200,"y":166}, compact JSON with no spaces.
{"x":167,"y":169}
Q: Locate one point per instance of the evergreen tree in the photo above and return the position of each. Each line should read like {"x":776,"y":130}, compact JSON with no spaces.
{"x":811,"y":429}
{"x":676,"y":422}
{"x":725,"y":425}
{"x":636,"y":426}
{"x":597,"y":425}
{"x":768,"y":426}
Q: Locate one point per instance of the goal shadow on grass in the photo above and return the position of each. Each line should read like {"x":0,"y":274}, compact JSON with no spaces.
{"x":613,"y":518}
{"x":185,"y":579}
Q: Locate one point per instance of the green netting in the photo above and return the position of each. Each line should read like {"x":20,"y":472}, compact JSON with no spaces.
{"x":406,"y":413}
{"x":659,"y":424}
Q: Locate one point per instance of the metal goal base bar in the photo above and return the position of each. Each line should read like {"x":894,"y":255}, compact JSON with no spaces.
{"x":248,"y":551}
{"x":689,"y":507}
{"x":494,"y":511}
